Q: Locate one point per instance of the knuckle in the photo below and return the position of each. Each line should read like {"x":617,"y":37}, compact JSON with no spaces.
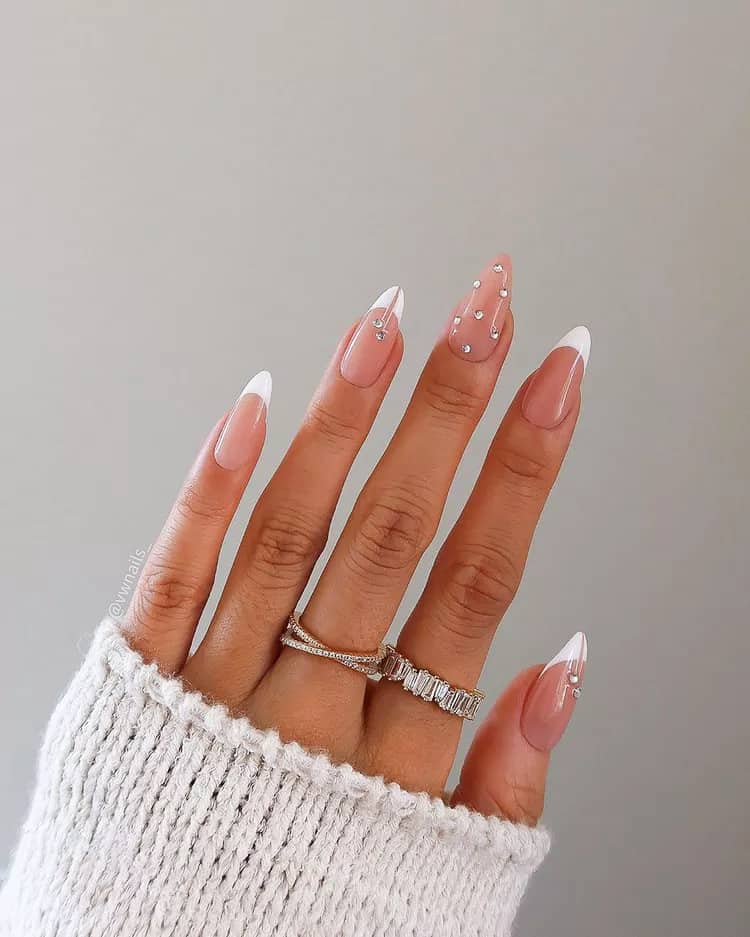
{"x":196,"y":505}
{"x":393,"y":532}
{"x":337,"y":429}
{"x":523,"y":802}
{"x":165,"y":590}
{"x":453,"y":404}
{"x":478,"y":587}
{"x":522,"y":469}
{"x":286,"y":546}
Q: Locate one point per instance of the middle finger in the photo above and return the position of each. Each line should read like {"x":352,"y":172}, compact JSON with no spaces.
{"x":399,"y":509}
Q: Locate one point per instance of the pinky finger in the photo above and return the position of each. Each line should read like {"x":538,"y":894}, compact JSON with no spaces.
{"x":179,"y":572}
{"x":505,"y":770}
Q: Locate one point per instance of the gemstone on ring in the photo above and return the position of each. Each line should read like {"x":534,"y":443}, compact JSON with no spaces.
{"x":428,"y":686}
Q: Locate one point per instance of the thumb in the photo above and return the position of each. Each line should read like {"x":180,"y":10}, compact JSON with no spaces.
{"x":505,"y":770}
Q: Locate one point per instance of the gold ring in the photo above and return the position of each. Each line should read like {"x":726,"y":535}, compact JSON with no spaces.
{"x":299,"y":638}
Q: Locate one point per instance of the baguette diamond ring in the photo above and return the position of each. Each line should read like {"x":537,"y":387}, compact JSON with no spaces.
{"x":427,"y":686}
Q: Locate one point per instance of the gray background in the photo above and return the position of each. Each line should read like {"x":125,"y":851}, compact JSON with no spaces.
{"x":190,"y":192}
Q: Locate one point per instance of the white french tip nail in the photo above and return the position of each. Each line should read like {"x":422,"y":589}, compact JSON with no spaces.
{"x":580,"y":339}
{"x":262,"y":385}
{"x":575,"y":650}
{"x":393,"y":295}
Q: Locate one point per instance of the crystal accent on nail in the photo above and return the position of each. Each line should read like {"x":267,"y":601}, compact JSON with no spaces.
{"x":503,"y":293}
{"x":498,"y":268}
{"x":380,"y":335}
{"x":477,"y":284}
{"x":478,"y":314}
{"x":573,"y":678}
{"x":378,"y":323}
{"x":457,"y":320}
{"x":577,"y":692}
{"x":466,"y":349}
{"x":494,"y":334}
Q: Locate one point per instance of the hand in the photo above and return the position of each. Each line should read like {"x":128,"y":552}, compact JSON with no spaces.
{"x":378,"y":726}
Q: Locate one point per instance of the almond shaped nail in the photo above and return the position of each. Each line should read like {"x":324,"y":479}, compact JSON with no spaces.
{"x":236,"y":446}
{"x":479,"y":318}
{"x":372,"y":343}
{"x":552,"y":699}
{"x":554,"y":387}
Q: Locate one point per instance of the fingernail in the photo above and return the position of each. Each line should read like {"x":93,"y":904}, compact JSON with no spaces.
{"x":236,"y":445}
{"x":552,"y":698}
{"x":373,"y":341}
{"x":479,"y":318}
{"x":553,"y":389}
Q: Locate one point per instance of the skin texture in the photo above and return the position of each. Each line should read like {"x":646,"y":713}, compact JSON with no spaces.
{"x":375,"y":726}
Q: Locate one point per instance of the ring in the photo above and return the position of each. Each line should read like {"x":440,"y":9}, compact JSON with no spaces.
{"x":299,"y":638}
{"x":428,"y":686}
{"x":386,"y":662}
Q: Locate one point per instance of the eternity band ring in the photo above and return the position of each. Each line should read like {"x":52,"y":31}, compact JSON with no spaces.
{"x":388,"y":663}
{"x":428,"y":686}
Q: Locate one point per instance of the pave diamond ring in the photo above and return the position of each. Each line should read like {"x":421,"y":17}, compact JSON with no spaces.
{"x":297,"y":637}
{"x":427,"y":686}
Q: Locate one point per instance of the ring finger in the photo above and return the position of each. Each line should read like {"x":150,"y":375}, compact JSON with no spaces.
{"x":479,"y":568}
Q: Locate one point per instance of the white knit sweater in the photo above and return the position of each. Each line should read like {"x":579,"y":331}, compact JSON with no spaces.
{"x":157,"y":813}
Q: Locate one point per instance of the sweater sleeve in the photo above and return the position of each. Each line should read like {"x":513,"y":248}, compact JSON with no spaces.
{"x":159,"y":813}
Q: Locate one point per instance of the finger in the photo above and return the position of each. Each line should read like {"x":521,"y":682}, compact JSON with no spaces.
{"x":479,"y":567}
{"x":398,"y":511}
{"x":289,"y":526}
{"x":505,"y":770}
{"x":179,"y":572}
{"x":502,"y":774}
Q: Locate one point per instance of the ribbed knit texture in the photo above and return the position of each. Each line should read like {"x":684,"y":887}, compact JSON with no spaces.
{"x":157,"y":813}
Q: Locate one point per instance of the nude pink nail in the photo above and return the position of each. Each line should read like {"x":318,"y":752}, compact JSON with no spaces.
{"x":236,"y":445}
{"x":479,"y":318}
{"x":373,"y":341}
{"x":552,"y":392}
{"x":552,"y":699}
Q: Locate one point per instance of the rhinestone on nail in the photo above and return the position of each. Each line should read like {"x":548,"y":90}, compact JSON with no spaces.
{"x":477,"y":284}
{"x":380,"y":335}
{"x":494,"y":334}
{"x":457,"y":320}
{"x":478,"y":314}
{"x":573,"y":678}
{"x":503,"y":293}
{"x":378,"y":323}
{"x":577,"y":692}
{"x":498,"y":268}
{"x":466,"y":349}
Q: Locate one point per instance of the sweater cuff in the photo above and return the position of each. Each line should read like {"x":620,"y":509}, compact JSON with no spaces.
{"x":159,"y":813}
